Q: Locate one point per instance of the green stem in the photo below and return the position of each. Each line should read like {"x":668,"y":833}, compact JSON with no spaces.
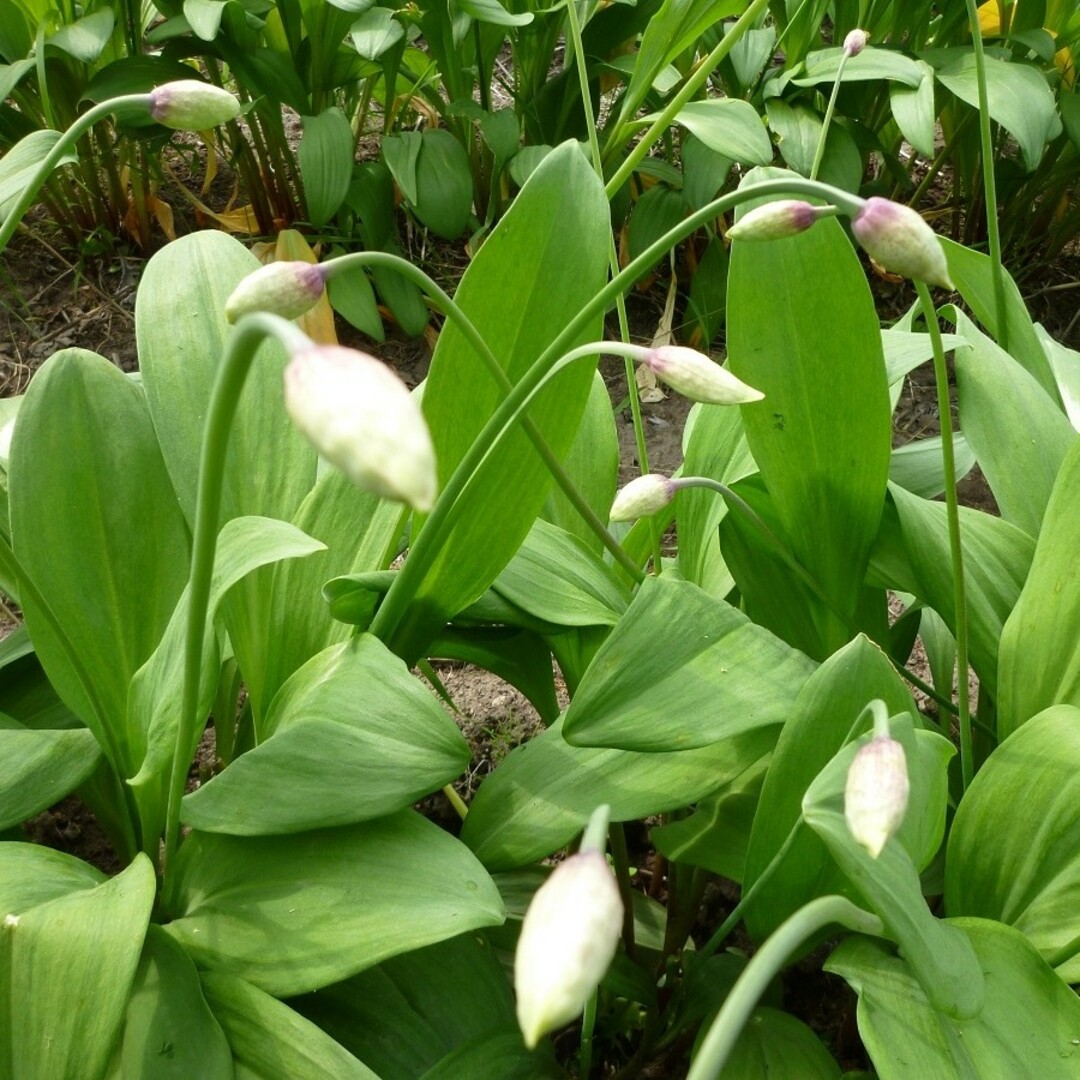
{"x":240,"y":350}
{"x":952,"y":509}
{"x":620,"y":857}
{"x":830,"y":109}
{"x":456,"y":801}
{"x":588,"y":1022}
{"x":766,"y":964}
{"x":989,"y":183}
{"x":129,"y":103}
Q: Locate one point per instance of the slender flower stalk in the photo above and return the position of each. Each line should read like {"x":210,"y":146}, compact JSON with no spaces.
{"x":854,"y":44}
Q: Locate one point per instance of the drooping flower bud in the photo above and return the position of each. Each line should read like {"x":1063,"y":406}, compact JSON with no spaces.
{"x":775,"y":220}
{"x":361,"y":417}
{"x":698,"y":378}
{"x":855,"y":42}
{"x":287,"y":289}
{"x":568,"y":940}
{"x":190,"y":105}
{"x":644,"y":495}
{"x":898,"y":238}
{"x":876,"y":793}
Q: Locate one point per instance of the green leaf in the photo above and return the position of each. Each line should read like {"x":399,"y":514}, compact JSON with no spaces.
{"x":68,"y":966}
{"x":84,"y":465}
{"x":1039,"y":660}
{"x":18,"y":165}
{"x":369,"y":892}
{"x":353,"y":298}
{"x":918,"y":467}
{"x":444,"y":184}
{"x":658,"y":211}
{"x":135,"y":75}
{"x":680,"y":671}
{"x":349,"y":737}
{"x":1019,"y":435}
{"x":376,"y":32}
{"x":169,"y":1031}
{"x":714,"y":837}
{"x":870,"y":65}
{"x":10,"y":76}
{"x":31,"y":875}
{"x":85,"y":38}
{"x":520,"y":291}
{"x":775,"y":1044}
{"x":401,"y":154}
{"x":1065,"y":365}
{"x":325,"y":155}
{"x":728,"y":126}
{"x":500,"y":1053}
{"x":914,"y":111}
{"x":1027,"y":1027}
{"x":542,"y":794}
{"x":822,"y":436}
{"x":269,"y":1040}
{"x":491,"y":11}
{"x":1028,"y":876}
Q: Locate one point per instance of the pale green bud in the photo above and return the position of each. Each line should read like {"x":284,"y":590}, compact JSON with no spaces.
{"x":698,"y":378}
{"x":775,"y":220}
{"x":876,"y":793}
{"x":288,"y":289}
{"x":361,"y":417}
{"x":568,"y":940}
{"x":642,"y":496}
{"x":190,"y":105}
{"x":898,"y":239}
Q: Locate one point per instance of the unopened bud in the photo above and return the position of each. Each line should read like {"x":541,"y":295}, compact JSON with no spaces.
{"x":855,"y":42}
{"x":568,"y":940}
{"x":876,"y":793}
{"x":361,"y":417}
{"x":898,"y":239}
{"x":286,"y":288}
{"x":698,"y":378}
{"x":642,"y":496}
{"x":190,"y":105}
{"x":775,"y":220}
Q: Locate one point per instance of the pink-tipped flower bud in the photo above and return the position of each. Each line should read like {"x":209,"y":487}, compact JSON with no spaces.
{"x":361,"y":417}
{"x":568,"y":940}
{"x":698,"y":378}
{"x":876,"y":793}
{"x":775,"y":220}
{"x":855,"y":42}
{"x":898,"y":239}
{"x":190,"y":105}
{"x":286,"y":288}
{"x":642,"y":496}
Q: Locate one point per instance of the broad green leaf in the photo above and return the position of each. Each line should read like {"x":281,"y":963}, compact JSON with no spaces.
{"x":18,"y":165}
{"x":135,"y":75}
{"x":353,"y":298}
{"x":656,"y":212}
{"x":85,"y":38}
{"x":714,"y":837}
{"x":41,"y":767}
{"x":204,"y":17}
{"x":68,"y":965}
{"x":1018,"y":96}
{"x":918,"y":466}
{"x":683,"y":670}
{"x":525,"y":284}
{"x":1019,"y":435}
{"x":1028,"y":1025}
{"x":26,"y":695}
{"x":870,"y":65}
{"x":401,"y":154}
{"x":1039,"y":659}
{"x":500,"y":1053}
{"x":914,"y":111}
{"x":349,"y":737}
{"x":31,"y":874}
{"x":799,"y":129}
{"x":542,"y":794}
{"x":822,"y":718}
{"x":822,"y":436}
{"x":444,"y":184}
{"x":84,"y":466}
{"x":269,"y":1040}
{"x":376,"y":32}
{"x":775,"y":1044}
{"x":997,"y":557}
{"x":1014,"y":848}
{"x":728,"y":126}
{"x":905,"y":351}
{"x":169,"y":1031}
{"x":325,"y":155}
{"x":1065,"y":364}
{"x":491,"y":11}
{"x":294,"y":913}
{"x":10,"y":76}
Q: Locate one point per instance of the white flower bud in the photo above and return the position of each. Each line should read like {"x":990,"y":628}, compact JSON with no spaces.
{"x":567,"y":943}
{"x":698,"y":378}
{"x":361,"y":417}
{"x":897,"y":238}
{"x":855,"y":42}
{"x":876,"y":793}
{"x":286,"y":288}
{"x":775,"y":220}
{"x":190,"y":105}
{"x":642,"y":496}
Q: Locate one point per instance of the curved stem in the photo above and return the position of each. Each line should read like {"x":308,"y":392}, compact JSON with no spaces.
{"x":243,"y":343}
{"x":831,"y":108}
{"x":956,"y":551}
{"x":768,"y":961}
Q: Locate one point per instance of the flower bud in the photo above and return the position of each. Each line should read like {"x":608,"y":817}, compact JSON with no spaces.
{"x":190,"y":105}
{"x":286,"y":288}
{"x":775,"y":220}
{"x":897,"y":238}
{"x":855,"y":42}
{"x":568,"y":940}
{"x":876,"y":793}
{"x":642,"y":496}
{"x":698,"y":378}
{"x":359,"y":415}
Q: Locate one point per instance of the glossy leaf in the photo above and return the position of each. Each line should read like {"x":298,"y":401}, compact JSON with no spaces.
{"x":293,"y":913}
{"x":84,"y":39}
{"x":376,"y":32}
{"x":444,"y":184}
{"x":325,"y":155}
{"x":918,"y":467}
{"x":728,"y":126}
{"x":491,"y":11}
{"x":914,"y":110}
{"x":870,"y":65}
{"x":18,"y":165}
{"x":31,"y":875}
